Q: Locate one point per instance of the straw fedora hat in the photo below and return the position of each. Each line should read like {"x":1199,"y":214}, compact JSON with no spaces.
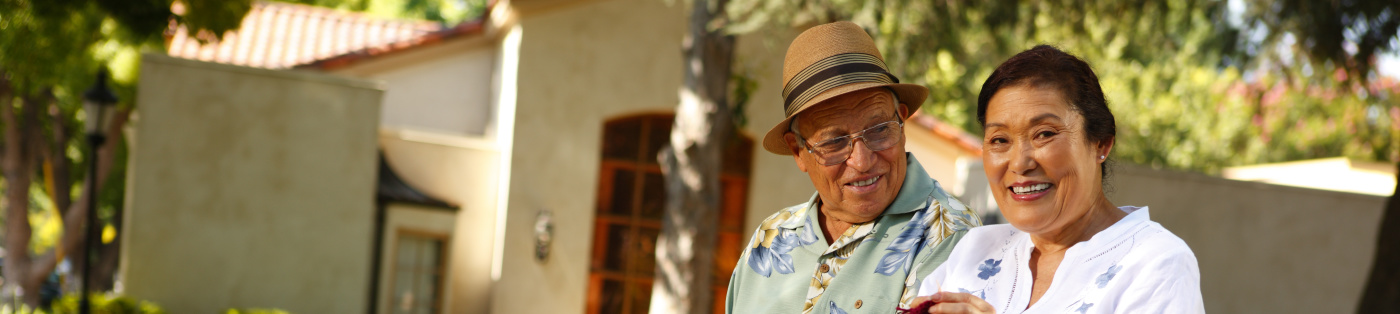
{"x":829,"y":60}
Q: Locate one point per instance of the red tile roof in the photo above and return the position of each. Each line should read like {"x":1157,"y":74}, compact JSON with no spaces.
{"x":461,"y":30}
{"x":281,"y":35}
{"x":962,"y":139}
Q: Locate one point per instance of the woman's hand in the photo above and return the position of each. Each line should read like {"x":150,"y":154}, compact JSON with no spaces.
{"x":953,"y":302}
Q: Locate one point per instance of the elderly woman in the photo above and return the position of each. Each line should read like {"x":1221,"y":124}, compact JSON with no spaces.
{"x":1067,"y":249}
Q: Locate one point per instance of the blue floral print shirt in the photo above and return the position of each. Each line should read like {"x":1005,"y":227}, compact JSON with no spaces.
{"x":873,"y":267}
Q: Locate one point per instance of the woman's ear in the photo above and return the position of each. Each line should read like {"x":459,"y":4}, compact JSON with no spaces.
{"x":1105,"y":147}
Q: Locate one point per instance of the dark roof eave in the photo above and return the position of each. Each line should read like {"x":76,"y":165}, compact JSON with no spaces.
{"x":391,"y":188}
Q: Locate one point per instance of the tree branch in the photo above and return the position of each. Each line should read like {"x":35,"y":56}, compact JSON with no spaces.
{"x":60,"y":178}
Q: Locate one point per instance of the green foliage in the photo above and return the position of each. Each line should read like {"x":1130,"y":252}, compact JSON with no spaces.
{"x":742,"y":86}
{"x":442,"y":11}
{"x":1324,"y":35}
{"x":1174,"y":72}
{"x":256,"y":311}
{"x":40,"y":53}
{"x":101,"y":304}
{"x":44,"y":219}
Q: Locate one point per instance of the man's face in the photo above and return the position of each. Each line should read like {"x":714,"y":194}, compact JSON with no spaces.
{"x":859,"y":188}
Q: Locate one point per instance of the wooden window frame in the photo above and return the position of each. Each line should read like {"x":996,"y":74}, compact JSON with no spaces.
{"x":439,"y":300}
{"x":734,"y":181}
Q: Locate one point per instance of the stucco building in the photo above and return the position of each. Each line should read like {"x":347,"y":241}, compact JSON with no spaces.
{"x":539,"y":109}
{"x":543,"y":116}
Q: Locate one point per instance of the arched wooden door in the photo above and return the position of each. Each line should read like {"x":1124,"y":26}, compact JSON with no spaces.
{"x":631,"y":198}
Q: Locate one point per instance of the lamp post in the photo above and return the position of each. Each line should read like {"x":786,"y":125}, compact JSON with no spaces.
{"x":97,"y":102}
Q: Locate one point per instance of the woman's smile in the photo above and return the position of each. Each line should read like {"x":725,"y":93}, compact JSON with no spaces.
{"x":1029,"y":191}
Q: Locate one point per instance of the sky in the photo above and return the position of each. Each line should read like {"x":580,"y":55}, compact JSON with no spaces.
{"x":1389,"y":65}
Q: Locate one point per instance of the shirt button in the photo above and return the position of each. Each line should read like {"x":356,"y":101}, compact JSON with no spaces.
{"x":858,"y":303}
{"x":823,"y":269}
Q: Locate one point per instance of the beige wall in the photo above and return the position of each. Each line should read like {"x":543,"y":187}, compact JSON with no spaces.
{"x":458,"y":170}
{"x":1263,"y":248}
{"x":437,"y":132}
{"x":250,"y":188}
{"x":1340,"y":174}
{"x":445,"y":88}
{"x":943,"y":159}
{"x":580,"y":65}
{"x":462,"y":172}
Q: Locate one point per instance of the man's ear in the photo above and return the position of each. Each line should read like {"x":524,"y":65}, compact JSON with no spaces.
{"x":791,"y":140}
{"x":903,"y":111}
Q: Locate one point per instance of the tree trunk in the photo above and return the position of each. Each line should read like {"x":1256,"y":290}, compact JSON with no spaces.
{"x":23,"y":272}
{"x":685,"y":247}
{"x":20,"y":126}
{"x":1382,"y":292}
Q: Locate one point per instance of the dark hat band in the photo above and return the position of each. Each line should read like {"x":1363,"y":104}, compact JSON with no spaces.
{"x":834,"y":71}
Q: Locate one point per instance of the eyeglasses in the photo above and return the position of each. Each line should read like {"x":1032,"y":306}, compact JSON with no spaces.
{"x":836,"y":150}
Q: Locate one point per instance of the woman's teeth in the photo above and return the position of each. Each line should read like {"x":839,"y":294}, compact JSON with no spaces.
{"x":866,"y":182}
{"x":1034,"y":188}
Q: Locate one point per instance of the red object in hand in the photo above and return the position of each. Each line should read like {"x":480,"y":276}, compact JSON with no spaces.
{"x":921,"y":308}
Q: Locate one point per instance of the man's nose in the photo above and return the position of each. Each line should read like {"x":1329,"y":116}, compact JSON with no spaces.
{"x":862,"y":158}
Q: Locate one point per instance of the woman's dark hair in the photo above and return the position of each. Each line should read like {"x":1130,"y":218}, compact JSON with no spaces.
{"x":1047,"y":67}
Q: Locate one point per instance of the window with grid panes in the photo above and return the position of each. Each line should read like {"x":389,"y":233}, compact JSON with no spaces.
{"x":417,"y":273}
{"x":631,"y":197}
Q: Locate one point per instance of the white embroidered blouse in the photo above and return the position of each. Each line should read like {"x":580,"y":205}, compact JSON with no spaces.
{"x":1134,"y":266}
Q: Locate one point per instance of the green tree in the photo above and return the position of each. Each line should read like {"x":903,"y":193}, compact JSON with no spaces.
{"x":442,"y":11}
{"x":1323,"y":97}
{"x":1156,"y":60}
{"x":1159,"y":61}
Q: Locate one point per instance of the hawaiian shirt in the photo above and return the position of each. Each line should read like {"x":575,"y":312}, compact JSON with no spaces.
{"x":873,"y":267}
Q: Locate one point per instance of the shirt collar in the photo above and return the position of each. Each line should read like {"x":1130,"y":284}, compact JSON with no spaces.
{"x":913,"y":193}
{"x":1136,"y":216}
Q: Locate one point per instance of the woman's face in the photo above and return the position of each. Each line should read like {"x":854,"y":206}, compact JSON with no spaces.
{"x":1042,"y":168}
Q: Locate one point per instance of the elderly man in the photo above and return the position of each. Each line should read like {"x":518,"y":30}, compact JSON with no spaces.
{"x":878,"y":223}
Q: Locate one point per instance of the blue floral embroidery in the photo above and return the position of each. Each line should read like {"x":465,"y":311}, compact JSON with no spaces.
{"x":905,"y":246}
{"x":764,"y":259}
{"x":980,"y":293}
{"x":835,"y":309}
{"x":989,"y":268}
{"x":1108,"y":275}
{"x":1084,"y":307}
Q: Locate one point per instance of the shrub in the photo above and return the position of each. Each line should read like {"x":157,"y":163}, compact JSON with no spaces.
{"x":256,"y":311}
{"x":103,"y":304}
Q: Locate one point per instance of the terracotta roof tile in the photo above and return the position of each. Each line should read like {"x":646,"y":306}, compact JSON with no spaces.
{"x":461,"y":30}
{"x":282,"y":35}
{"x":964,"y":140}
